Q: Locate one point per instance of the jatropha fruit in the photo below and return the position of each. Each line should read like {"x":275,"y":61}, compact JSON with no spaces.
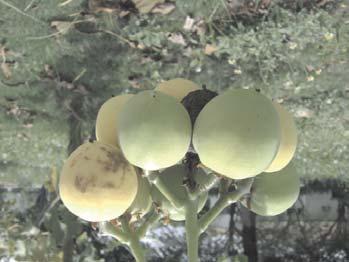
{"x":172,"y":180}
{"x":177,"y":88}
{"x":154,"y":130}
{"x":97,"y":183}
{"x":288,"y":142}
{"x":237,"y":134}
{"x":185,"y":139}
{"x":107,"y":119}
{"x":273,"y":193}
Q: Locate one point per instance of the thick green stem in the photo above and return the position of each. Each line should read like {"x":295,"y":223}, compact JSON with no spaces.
{"x":142,"y":230}
{"x":133,"y":241}
{"x":108,"y":229}
{"x":243,"y":187}
{"x":192,"y":230}
{"x":211,"y":215}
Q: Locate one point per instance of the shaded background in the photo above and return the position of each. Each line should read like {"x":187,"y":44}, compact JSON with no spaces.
{"x":60,"y":60}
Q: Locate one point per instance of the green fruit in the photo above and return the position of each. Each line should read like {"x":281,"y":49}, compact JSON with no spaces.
{"x":274,"y":193}
{"x":166,"y":206}
{"x":177,"y":88}
{"x":237,"y":134}
{"x":154,"y":130}
{"x":97,"y":183}
{"x":172,"y":179}
{"x":142,"y":203}
{"x":288,"y":143}
{"x":107,"y":119}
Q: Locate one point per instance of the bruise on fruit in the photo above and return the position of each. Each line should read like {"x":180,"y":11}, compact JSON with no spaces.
{"x":82,"y":183}
{"x":86,"y":158}
{"x":108,"y":185}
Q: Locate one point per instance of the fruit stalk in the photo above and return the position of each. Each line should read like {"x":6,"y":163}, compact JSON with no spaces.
{"x":133,"y":241}
{"x":154,"y":217}
{"x":192,"y":230}
{"x":226,"y":199}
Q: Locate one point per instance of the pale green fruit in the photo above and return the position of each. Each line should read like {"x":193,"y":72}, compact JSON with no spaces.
{"x":288,"y":143}
{"x":107,"y":119}
{"x":154,"y":130}
{"x":97,"y":183}
{"x":274,"y":193}
{"x":178,"y":87}
{"x":143,"y":201}
{"x":174,"y":213}
{"x":172,"y":179}
{"x":237,"y":134}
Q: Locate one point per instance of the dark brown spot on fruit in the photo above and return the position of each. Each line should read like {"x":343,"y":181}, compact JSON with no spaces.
{"x":82,"y":183}
{"x":108,"y":185}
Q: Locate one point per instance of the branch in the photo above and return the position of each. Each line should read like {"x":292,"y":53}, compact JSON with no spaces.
{"x":133,"y":240}
{"x":192,"y":230}
{"x":107,"y":229}
{"x":243,"y":188}
{"x":153,"y":218}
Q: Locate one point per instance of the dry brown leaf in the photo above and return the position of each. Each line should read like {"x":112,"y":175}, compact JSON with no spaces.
{"x":188,"y":24}
{"x":210,"y":49}
{"x":145,"y":6}
{"x":61,"y":26}
{"x":100,"y":6}
{"x":163,"y":9}
{"x":5,"y":68}
{"x":177,"y":38}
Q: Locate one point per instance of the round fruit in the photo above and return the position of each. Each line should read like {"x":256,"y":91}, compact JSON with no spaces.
{"x":274,"y":193}
{"x":107,"y":119}
{"x":237,"y":134}
{"x":154,"y":130}
{"x":166,"y":206}
{"x":142,"y":203}
{"x":97,"y":183}
{"x":178,"y":87}
{"x":172,"y":179}
{"x":288,"y":143}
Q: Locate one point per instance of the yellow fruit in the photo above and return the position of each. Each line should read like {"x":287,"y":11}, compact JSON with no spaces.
{"x":274,"y":193}
{"x":178,"y":87}
{"x":97,"y":183}
{"x":237,"y":134}
{"x":154,"y":130}
{"x":288,"y":142}
{"x":142,"y":203}
{"x":107,"y":119}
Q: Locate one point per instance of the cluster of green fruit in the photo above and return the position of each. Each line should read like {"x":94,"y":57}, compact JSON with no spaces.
{"x":238,"y":134}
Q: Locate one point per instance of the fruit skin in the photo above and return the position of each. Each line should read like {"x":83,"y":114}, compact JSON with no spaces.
{"x":154,"y":130}
{"x":174,"y":213}
{"x":288,"y":142}
{"x":274,"y":193}
{"x":143,"y":202}
{"x":177,"y":88}
{"x":97,"y":183}
{"x":172,"y":179}
{"x":237,"y":134}
{"x":107,"y":119}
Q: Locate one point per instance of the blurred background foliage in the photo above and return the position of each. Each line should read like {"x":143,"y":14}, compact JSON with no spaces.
{"x":61,"y":59}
